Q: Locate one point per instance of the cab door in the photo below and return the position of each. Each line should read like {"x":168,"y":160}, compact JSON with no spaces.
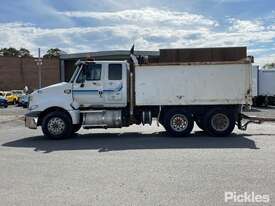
{"x":115,"y":90}
{"x":88,"y":86}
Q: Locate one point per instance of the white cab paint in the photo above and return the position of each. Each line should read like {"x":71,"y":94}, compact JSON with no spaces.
{"x":52,"y":96}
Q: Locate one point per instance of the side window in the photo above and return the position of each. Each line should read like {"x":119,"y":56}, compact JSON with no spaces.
{"x":93,"y":72}
{"x":115,"y":72}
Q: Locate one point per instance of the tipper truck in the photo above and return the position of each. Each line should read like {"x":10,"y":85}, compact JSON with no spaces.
{"x":116,"y":94}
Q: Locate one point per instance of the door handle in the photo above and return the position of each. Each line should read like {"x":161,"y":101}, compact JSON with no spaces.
{"x":82,"y":85}
{"x":100,"y":93}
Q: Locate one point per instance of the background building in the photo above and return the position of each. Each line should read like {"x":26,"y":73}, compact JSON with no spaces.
{"x":16,"y":72}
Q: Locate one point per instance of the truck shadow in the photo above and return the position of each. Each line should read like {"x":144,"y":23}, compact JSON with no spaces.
{"x":105,"y":142}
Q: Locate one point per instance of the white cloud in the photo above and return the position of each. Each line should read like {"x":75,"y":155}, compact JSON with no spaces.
{"x":146,"y":16}
{"x":148,"y":28}
{"x":264,"y":59}
{"x":246,"y":25}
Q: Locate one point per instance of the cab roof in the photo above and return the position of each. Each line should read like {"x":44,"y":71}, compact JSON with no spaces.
{"x":99,"y":62}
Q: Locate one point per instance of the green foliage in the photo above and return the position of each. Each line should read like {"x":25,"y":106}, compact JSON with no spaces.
{"x":12,"y":52}
{"x":24,"y":53}
{"x":9,"y":52}
{"x":54,"y":52}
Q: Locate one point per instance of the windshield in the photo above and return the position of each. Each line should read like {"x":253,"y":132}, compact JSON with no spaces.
{"x":75,"y":73}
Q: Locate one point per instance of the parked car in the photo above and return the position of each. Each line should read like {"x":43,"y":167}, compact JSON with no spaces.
{"x":10,"y":97}
{"x":3,"y":102}
{"x":18,"y":93}
{"x":23,"y":101}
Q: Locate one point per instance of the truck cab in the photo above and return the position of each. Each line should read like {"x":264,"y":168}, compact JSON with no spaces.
{"x":100,"y":85}
{"x":93,"y":98}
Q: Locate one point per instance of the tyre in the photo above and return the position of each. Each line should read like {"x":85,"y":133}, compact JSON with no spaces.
{"x":57,"y":125}
{"x":178,"y":122}
{"x":76,"y":127}
{"x":220,"y":122}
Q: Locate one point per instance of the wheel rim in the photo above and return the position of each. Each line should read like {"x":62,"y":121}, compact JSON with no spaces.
{"x":179,"y":122}
{"x":220,"y":122}
{"x":56,"y":126}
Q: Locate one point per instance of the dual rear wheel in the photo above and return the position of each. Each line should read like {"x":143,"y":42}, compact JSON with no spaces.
{"x":217,"y":122}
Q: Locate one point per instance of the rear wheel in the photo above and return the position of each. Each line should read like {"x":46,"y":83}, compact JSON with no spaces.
{"x":57,"y":125}
{"x":178,"y":122}
{"x":220,"y":122}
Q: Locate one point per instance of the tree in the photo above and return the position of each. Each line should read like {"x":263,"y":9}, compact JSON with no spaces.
{"x":24,"y":53}
{"x":54,"y":52}
{"x":14,"y":52}
{"x":9,"y":52}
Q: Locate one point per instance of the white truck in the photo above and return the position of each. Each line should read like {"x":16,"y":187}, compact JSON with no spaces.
{"x":263,"y":86}
{"x":116,"y":94}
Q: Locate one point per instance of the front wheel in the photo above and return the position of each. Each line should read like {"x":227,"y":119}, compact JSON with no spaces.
{"x":57,"y":125}
{"x":178,"y":122}
{"x":220,"y":122}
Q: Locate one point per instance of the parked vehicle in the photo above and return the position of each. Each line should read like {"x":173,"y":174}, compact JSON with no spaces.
{"x":115,"y":94}
{"x":23,"y":101}
{"x":263,"y":86}
{"x":3,"y":102}
{"x":18,"y":93}
{"x":10,"y":97}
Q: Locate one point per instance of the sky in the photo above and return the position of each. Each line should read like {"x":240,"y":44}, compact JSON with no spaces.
{"x":93,"y":25}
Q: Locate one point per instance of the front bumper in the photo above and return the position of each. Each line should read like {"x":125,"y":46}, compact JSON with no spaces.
{"x":31,"y":120}
{"x":3,"y":103}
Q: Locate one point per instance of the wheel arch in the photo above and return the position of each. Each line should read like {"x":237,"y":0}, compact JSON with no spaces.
{"x":49,"y":110}
{"x":198,"y":111}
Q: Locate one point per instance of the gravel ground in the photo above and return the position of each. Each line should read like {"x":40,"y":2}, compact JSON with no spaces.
{"x":133,"y":166}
